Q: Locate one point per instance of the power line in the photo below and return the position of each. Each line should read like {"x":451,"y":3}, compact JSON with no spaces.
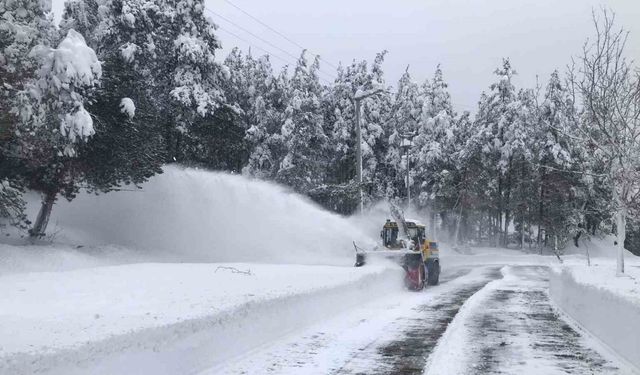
{"x":249,"y":43}
{"x":277,"y":32}
{"x":262,"y":39}
{"x":264,"y":50}
{"x":252,"y":34}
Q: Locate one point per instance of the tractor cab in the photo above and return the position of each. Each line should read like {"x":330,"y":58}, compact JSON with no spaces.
{"x":391,"y":238}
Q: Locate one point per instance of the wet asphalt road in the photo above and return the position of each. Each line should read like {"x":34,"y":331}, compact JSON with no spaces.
{"x":518,"y":329}
{"x":418,"y":335}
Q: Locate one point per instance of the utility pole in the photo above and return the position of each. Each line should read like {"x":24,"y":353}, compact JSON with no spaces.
{"x":359,"y":156}
{"x":406,"y":145}
{"x":408,"y":176}
{"x":358,"y":97}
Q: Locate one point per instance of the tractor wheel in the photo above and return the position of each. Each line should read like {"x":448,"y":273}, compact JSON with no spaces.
{"x":421,"y":281}
{"x":433,"y":273}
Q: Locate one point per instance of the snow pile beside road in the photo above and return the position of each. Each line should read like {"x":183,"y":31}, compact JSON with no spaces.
{"x":598,"y":247}
{"x":605,"y":305}
{"x":168,"y":318}
{"x":199,"y":216}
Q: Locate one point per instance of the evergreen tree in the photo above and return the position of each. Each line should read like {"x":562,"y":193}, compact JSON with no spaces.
{"x":25,"y":25}
{"x":433,"y":147}
{"x":54,"y":122}
{"x":340,"y":191}
{"x":303,"y":166}
{"x":498,"y":137}
{"x":405,"y":120}
{"x":259,"y":99}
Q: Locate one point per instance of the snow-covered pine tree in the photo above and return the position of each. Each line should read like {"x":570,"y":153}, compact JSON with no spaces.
{"x":405,"y":120}
{"x":128,"y":146}
{"x":172,"y":45}
{"x":497,"y":137}
{"x":25,"y":25}
{"x":558,"y":199}
{"x":340,"y":191}
{"x":433,"y":147}
{"x":259,"y":99}
{"x":53,"y":121}
{"x":270,"y":148}
{"x":303,"y":167}
{"x":376,"y":129}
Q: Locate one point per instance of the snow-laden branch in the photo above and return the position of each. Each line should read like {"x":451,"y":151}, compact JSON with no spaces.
{"x":363,"y":94}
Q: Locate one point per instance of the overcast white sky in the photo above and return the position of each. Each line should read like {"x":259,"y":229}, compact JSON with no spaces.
{"x":467,"y":37}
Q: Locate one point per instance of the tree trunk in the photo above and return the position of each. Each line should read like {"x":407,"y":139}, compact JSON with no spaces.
{"x":479,"y":236}
{"x":621,"y":229}
{"x":522,"y":232}
{"x":507,"y":210}
{"x":555,"y":247}
{"x":529,"y":225}
{"x":42,"y":220}
{"x":505,"y":234}
{"x":541,"y":210}
{"x":498,"y":226}
{"x":456,"y":235}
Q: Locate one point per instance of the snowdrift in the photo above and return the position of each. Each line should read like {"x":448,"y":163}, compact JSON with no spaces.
{"x":197,"y":216}
{"x":605,"y":305}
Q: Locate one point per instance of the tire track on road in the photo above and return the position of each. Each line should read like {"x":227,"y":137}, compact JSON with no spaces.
{"x":417,"y":336}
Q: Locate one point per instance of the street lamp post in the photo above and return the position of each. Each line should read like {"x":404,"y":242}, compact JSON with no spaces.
{"x":359,"y":96}
{"x":406,"y":147}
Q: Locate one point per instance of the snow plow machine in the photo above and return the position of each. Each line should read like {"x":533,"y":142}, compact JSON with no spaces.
{"x":408,"y":246}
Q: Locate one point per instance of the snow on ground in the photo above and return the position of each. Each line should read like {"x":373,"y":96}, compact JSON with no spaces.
{"x":153,"y":317}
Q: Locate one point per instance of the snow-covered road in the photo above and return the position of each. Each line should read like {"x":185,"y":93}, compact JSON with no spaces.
{"x":483,"y":319}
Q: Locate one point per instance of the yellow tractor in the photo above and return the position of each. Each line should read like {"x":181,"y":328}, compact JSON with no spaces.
{"x":407,"y":244}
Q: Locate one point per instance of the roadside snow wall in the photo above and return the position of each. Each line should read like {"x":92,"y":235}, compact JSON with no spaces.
{"x":612,"y":318}
{"x":201,"y":342}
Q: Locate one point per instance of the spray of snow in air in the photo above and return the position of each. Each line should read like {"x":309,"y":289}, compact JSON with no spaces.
{"x":191,"y":215}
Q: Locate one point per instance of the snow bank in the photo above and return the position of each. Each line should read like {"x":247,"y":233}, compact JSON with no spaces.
{"x":168,"y":318}
{"x":605,"y":305}
{"x":198,"y":216}
{"x":598,"y":247}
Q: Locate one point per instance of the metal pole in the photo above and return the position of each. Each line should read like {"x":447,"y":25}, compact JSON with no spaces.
{"x":357,"y":98}
{"x":359,"y":156}
{"x":408,"y":182}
